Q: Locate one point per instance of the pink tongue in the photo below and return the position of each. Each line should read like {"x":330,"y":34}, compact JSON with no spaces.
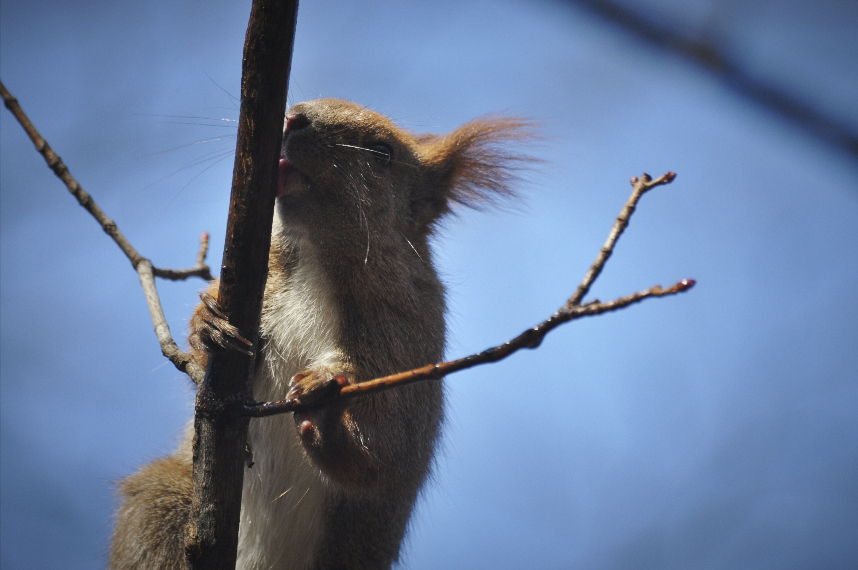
{"x":285,"y":167}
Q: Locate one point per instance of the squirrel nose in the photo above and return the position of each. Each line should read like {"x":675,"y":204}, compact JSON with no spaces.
{"x":295,"y":121}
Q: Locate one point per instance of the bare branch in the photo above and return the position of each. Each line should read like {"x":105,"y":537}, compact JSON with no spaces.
{"x":55,"y":164}
{"x":182,"y":360}
{"x":531,"y":338}
{"x":143,"y":266}
{"x":641,"y":186}
{"x":201,"y":269}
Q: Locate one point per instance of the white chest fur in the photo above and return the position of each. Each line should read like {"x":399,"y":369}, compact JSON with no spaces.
{"x":283,"y":494}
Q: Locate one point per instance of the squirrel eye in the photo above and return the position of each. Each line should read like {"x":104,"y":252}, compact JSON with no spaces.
{"x":381,"y":153}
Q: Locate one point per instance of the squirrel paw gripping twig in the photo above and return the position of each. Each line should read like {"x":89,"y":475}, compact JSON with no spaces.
{"x":211,"y":330}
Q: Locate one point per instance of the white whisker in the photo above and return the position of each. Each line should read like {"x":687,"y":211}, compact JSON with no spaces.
{"x":412,"y":247}
{"x":281,"y":495}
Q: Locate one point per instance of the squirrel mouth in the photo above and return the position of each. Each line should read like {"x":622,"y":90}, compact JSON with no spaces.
{"x":283,"y":176}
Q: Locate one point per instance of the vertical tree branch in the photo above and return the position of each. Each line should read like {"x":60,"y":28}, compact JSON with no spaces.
{"x":211,"y":538}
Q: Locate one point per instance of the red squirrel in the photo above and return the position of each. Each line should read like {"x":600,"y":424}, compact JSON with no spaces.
{"x":352,"y":294}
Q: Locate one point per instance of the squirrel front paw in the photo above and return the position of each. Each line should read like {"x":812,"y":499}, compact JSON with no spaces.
{"x":212,"y":332}
{"x":309,"y":386}
{"x":329,"y":432}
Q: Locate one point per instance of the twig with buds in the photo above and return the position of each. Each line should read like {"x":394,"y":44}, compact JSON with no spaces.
{"x":531,"y":338}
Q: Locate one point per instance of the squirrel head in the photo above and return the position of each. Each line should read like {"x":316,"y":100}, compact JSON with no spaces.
{"x":355,"y":175}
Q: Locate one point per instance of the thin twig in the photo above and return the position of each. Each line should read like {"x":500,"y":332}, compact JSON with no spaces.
{"x":182,"y":360}
{"x":641,"y":186}
{"x":142,"y":266}
{"x":531,"y":338}
{"x":55,"y":164}
{"x":200,"y":269}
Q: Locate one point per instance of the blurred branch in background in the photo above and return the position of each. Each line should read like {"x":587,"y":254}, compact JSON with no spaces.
{"x":712,"y":56}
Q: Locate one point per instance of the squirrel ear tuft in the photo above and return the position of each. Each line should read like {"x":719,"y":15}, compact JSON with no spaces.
{"x":476,"y":165}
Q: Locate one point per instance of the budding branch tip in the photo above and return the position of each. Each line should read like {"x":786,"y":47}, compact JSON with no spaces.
{"x":684,"y":285}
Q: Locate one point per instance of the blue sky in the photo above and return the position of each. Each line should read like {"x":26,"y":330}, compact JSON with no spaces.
{"x":716,"y":429}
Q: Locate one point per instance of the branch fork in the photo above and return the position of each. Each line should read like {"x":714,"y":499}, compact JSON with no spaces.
{"x":144,"y":268}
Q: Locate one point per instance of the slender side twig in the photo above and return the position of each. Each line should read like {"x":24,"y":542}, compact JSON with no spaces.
{"x":200,"y":269}
{"x":531,"y":338}
{"x":640,"y":187}
{"x":145,"y":270}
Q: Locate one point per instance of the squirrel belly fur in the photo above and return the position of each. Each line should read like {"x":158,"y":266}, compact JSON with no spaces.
{"x":352,"y":294}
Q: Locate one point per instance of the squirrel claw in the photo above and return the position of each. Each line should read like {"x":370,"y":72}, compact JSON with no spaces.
{"x":212,"y":305}
{"x":213,"y":332}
